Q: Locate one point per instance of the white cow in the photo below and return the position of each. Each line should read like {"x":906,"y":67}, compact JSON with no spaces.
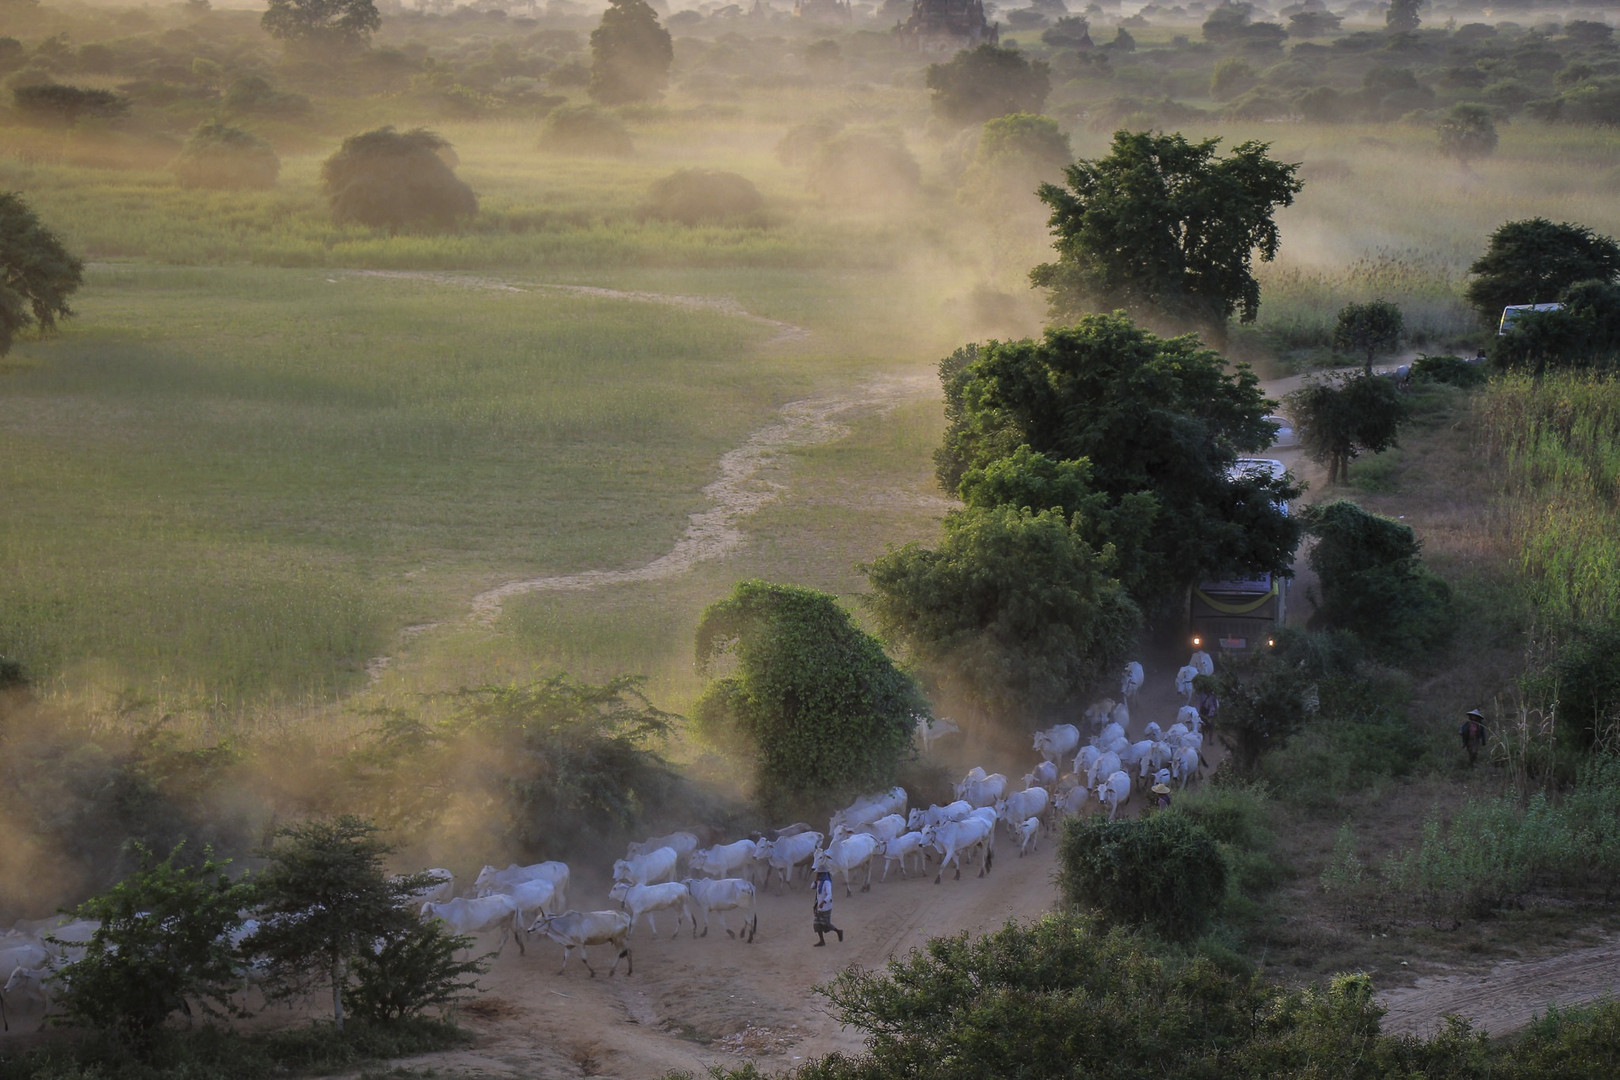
{"x":1184,"y":765}
{"x":1070,"y":802}
{"x":1201,"y":661}
{"x":1121,"y":716}
{"x":491,"y":880}
{"x":1130,"y":681}
{"x":1189,"y":716}
{"x":721,"y":895}
{"x":476,"y":916}
{"x":898,"y":849}
{"x":1184,"y":682}
{"x":929,"y":732}
{"x":1056,"y":741}
{"x":684,"y":844}
{"x":983,"y":792}
{"x":850,"y":853}
{"x":956,"y":839}
{"x":1105,"y":766}
{"x":26,"y":983}
{"x":884,"y":828}
{"x":870,"y":807}
{"x":935,"y":814}
{"x":1153,"y":731}
{"x":1109,"y":735}
{"x":579,"y":929}
{"x":531,"y":898}
{"x":787,"y":853}
{"x":1018,"y":806}
{"x":1096,"y":713}
{"x":647,"y":869}
{"x":645,"y":900}
{"x":1086,"y":758}
{"x":1043,"y":775}
{"x":1026,"y":834}
{"x":1115,"y":791}
{"x":723,"y":860}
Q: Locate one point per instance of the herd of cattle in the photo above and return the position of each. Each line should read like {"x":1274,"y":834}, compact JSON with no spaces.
{"x":674,"y":874}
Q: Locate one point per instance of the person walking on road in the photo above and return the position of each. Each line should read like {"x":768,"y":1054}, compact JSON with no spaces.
{"x":823,"y":908}
{"x":1472,"y":731}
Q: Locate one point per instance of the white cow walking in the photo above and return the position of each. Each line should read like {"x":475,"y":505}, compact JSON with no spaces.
{"x":580,"y":929}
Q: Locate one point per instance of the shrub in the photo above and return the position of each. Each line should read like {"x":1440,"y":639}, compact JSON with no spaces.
{"x":865,"y":167}
{"x":389,"y":179}
{"x":1163,"y":872}
{"x":253,"y":94}
{"x":219,"y":156}
{"x":1448,"y":369}
{"x":987,"y":82}
{"x":586,"y":131}
{"x":1015,"y":155}
{"x":1583,"y":682}
{"x":53,"y":103}
{"x":700,"y":196}
{"x":801,"y":142}
{"x":1373,"y":582}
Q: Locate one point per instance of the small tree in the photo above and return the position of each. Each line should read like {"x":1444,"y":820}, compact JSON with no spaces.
{"x":630,"y":54}
{"x":812,"y":697}
{"x":1467,"y":134}
{"x":390,"y":179}
{"x":342,"y":25}
{"x":1534,"y":261}
{"x":1340,"y":419}
{"x":1014,"y":155}
{"x":1265,"y":699}
{"x":987,"y":82}
{"x":163,"y":939}
{"x":1368,"y":330}
{"x":705,"y":196}
{"x":1372,"y":582}
{"x":1163,"y":872}
{"x":586,"y":131}
{"x":325,"y":902}
{"x":220,"y":156}
{"x":37,"y":275}
{"x":1014,"y":609}
{"x":1402,"y":16}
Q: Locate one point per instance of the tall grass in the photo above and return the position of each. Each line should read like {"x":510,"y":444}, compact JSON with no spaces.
{"x":1556,"y":444}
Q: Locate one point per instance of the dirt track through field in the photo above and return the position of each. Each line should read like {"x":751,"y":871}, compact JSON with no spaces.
{"x":1508,"y":996}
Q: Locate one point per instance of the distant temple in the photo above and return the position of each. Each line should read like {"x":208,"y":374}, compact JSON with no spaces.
{"x":946,"y":26}
{"x":822,"y":10}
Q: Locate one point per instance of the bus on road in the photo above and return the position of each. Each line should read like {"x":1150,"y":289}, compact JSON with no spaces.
{"x":1241,"y":613}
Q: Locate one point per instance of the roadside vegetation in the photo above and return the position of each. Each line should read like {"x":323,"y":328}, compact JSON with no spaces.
{"x":319,"y":322}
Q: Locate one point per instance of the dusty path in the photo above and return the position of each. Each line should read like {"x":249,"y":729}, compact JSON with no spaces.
{"x":742,"y":488}
{"x":1509,"y":995}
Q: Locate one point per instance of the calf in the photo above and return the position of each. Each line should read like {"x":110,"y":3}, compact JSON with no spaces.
{"x":896,"y":850}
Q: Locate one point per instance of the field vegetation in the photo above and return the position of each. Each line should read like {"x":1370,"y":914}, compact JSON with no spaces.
{"x":316,"y":507}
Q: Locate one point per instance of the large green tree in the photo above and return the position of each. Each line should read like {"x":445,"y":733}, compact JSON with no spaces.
{"x":1534,"y":261}
{"x":809,"y":695}
{"x":322,"y":24}
{"x":984,"y":83}
{"x":1158,"y":419}
{"x":1165,"y":229}
{"x":1339,"y":419}
{"x":1371,"y":579}
{"x":1013,"y":609}
{"x":630,"y":54}
{"x":37,"y":274}
{"x":1369,"y":329}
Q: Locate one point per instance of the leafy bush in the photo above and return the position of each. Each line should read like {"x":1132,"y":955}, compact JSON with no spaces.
{"x":870,"y":168}
{"x":411,"y":971}
{"x":702,"y":196}
{"x":1014,"y":155}
{"x":219,"y":156}
{"x":823,"y":711}
{"x":984,"y":83}
{"x":254,"y":94}
{"x":1163,"y":872}
{"x":53,"y":103}
{"x":1372,"y":581}
{"x":585,"y":131}
{"x":390,"y":179}
{"x":1454,"y":370}
{"x":1582,"y":682}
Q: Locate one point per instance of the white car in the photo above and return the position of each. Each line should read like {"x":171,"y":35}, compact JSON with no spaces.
{"x":1285,"y":437}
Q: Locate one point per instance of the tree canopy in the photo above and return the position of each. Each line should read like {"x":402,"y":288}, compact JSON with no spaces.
{"x":630,"y":54}
{"x":1534,"y":261}
{"x":1372,"y":581}
{"x":990,"y":81}
{"x":391,"y":179}
{"x":1014,"y":609}
{"x":329,"y":24}
{"x":1339,"y":419}
{"x":812,"y":697}
{"x":1368,"y":330}
{"x":1160,"y":422}
{"x":1467,"y":133}
{"x":37,"y":274}
{"x":1164,"y":228}
{"x":220,"y":156}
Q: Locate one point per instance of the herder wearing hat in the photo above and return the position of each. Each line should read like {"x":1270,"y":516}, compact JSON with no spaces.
{"x":1163,"y":793}
{"x":1472,"y":731}
{"x":823,"y":906}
